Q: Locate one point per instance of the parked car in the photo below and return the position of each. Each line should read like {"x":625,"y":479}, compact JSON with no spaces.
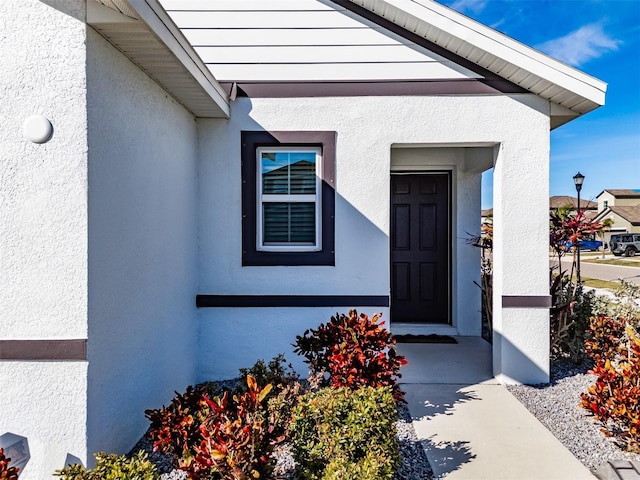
{"x":588,"y":244}
{"x":627,"y":244}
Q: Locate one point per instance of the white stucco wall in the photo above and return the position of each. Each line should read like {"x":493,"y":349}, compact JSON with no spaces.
{"x":46,"y":403}
{"x":520,"y":240}
{"x":43,"y":216}
{"x":142,"y":247}
{"x":367,"y":128}
{"x":43,"y":226}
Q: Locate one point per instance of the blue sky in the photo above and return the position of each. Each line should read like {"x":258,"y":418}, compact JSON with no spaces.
{"x":601,"y":38}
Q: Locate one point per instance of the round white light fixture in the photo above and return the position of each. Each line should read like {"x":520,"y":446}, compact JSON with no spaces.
{"x":37,"y":129}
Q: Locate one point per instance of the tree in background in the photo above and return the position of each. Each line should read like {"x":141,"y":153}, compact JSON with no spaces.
{"x":606,"y":227}
{"x":571,"y":306}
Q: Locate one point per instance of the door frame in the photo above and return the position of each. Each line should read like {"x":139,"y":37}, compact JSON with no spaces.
{"x":450,"y":173}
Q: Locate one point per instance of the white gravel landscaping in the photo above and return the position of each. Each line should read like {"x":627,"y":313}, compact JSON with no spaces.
{"x":556,"y":405}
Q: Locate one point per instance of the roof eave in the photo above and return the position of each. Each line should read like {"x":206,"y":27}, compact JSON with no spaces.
{"x":520,"y":64}
{"x":164,"y":54}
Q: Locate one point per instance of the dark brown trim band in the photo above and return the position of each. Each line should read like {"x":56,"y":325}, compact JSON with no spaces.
{"x":526,"y":301}
{"x":251,"y":301}
{"x":44,"y":350}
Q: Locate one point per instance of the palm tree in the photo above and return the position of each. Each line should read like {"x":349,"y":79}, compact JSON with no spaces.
{"x":606,"y":227}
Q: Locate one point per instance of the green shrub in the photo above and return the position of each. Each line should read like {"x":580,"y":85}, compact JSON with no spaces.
{"x":569,"y":318}
{"x":113,"y":467}
{"x":7,"y":472}
{"x":369,"y":467}
{"x":276,"y":372}
{"x":345,"y":434}
{"x":625,"y":304}
{"x":354,"y":350}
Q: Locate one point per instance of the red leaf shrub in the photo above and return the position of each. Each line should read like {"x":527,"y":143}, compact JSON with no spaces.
{"x":614,"y":399}
{"x":236,"y":440}
{"x":229,"y":437}
{"x":354,"y":350}
{"x":7,"y":472}
{"x":175,"y":429}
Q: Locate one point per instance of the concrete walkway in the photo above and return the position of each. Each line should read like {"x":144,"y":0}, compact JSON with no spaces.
{"x":471,"y":427}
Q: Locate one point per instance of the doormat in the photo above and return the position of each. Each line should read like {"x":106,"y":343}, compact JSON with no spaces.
{"x":433,"y":338}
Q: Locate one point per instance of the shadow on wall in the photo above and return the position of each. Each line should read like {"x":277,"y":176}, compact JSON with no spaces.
{"x":513,"y":366}
{"x":241,"y":336}
{"x":231,"y":338}
{"x":76,"y":10}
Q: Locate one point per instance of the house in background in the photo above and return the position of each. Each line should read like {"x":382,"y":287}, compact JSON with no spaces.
{"x":622,"y":206}
{"x":159,"y":228}
{"x":588,"y":207}
{"x":618,"y":198}
{"x":564,"y":201}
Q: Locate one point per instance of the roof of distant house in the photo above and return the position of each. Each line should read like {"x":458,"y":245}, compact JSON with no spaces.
{"x":629,"y":213}
{"x":590,"y":215}
{"x":561,"y":201}
{"x":622,"y":192}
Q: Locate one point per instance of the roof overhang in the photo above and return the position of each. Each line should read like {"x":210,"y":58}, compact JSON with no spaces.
{"x":142,"y":30}
{"x":571,"y":93}
{"x":145,"y":34}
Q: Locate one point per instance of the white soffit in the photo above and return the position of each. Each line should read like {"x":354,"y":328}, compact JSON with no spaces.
{"x":522,"y":65}
{"x":143,"y":32}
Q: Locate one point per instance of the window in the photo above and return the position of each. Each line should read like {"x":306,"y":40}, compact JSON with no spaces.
{"x":288,"y":198}
{"x":606,"y":203}
{"x":289,"y":194}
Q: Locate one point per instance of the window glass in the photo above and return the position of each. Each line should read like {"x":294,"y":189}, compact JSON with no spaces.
{"x":289,"y":223}
{"x":288,"y":172}
{"x":288,"y":199}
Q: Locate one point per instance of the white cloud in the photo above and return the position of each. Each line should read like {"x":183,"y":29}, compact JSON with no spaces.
{"x":577,"y":48}
{"x":475,"y":6}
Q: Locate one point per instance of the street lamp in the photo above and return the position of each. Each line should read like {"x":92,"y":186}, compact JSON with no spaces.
{"x":578,"y":178}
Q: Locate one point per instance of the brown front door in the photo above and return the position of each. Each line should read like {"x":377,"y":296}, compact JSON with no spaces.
{"x":420,"y":248}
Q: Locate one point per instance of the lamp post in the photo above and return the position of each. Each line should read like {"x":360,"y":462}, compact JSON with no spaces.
{"x":578,"y":178}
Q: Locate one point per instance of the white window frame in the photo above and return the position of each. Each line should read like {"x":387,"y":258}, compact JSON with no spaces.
{"x":288,"y":198}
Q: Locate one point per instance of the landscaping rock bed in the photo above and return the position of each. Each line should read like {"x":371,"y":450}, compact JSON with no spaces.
{"x":556,"y":405}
